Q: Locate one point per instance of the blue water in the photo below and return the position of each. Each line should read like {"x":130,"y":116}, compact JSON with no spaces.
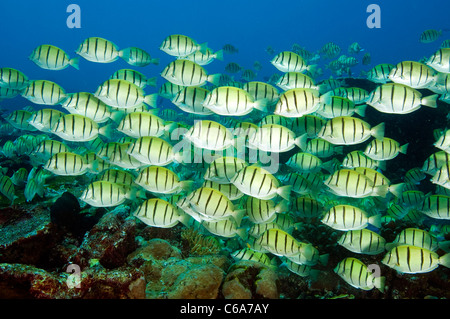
{"x":251,"y":26}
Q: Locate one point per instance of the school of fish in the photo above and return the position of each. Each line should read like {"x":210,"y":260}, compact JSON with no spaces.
{"x":214,"y":160}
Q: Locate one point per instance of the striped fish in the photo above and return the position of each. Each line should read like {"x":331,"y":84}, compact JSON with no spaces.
{"x":139,"y":124}
{"x":415,"y":237}
{"x":169,"y":90}
{"x":363,"y":241}
{"x":99,"y":50}
{"x":350,"y":183}
{"x":153,"y":150}
{"x":359,"y":159}
{"x":223,"y":169}
{"x":190,"y":99}
{"x":67,"y":164}
{"x":19,"y":119}
{"x":79,"y":128}
{"x":135,"y":77}
{"x":440,"y":60}
{"x":357,"y":274}
{"x":395,"y":98}
{"x":346,"y":130}
{"x":298,"y":102}
{"x":443,"y":142}
{"x":213,"y":205}
{"x":346,"y":217}
{"x":229,"y":190}
{"x":288,"y":61}
{"x":308,"y":255}
{"x":430,"y":35}
{"x":138,"y":57}
{"x":252,"y":255}
{"x":50,"y":57}
{"x":227,"y":228}
{"x":437,"y":206}
{"x":413,"y":74}
{"x":334,"y":106}
{"x":117,"y":176}
{"x":309,"y":124}
{"x":303,"y":183}
{"x":204,"y":58}
{"x":209,"y":135}
{"x":232,"y":101}
{"x":188,"y":73}
{"x":123,"y":94}
{"x":306,"y":207}
{"x":279,"y":242}
{"x":106,"y":194}
{"x":13,"y":79}
{"x":181,"y":45}
{"x":380,"y":73}
{"x":275,"y":138}
{"x":86,"y":104}
{"x":264,"y":211}
{"x":258,"y":182}
{"x":119,"y":157}
{"x":305,"y":163}
{"x":322,"y":148}
{"x":378,"y":179}
{"x":47,"y":148}
{"x":44,"y":92}
{"x":355,"y":94}
{"x":7,"y":188}
{"x":256,"y":230}
{"x":384,"y":149}
{"x":44,"y":119}
{"x":160,"y":180}
{"x":261,"y":90}
{"x":157,"y":212}
{"x":301,"y":270}
{"x":294,"y":80}
{"x":414,"y":260}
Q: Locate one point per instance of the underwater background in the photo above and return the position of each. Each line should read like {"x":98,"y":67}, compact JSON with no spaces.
{"x":109,"y":253}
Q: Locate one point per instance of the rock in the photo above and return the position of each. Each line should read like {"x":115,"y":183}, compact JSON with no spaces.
{"x":199,"y":282}
{"x":248,"y":279}
{"x":110,"y":241}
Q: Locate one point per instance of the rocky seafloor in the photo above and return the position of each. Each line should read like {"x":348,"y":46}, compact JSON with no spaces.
{"x":64,"y":252}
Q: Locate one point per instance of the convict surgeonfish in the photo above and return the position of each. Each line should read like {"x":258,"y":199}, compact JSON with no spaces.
{"x":413,"y":74}
{"x":384,"y":149}
{"x":223,"y":169}
{"x":347,"y":217}
{"x":190,"y":99}
{"x":347,"y":130}
{"x":160,"y":180}
{"x":181,"y":45}
{"x":298,"y":102}
{"x":44,"y":92}
{"x":204,"y":58}
{"x":279,"y":242}
{"x":440,"y":60}
{"x":96,"y":49}
{"x":44,"y":119}
{"x":414,"y":260}
{"x":209,"y":135}
{"x":232,"y":101}
{"x":358,"y":275}
{"x":430,"y":35}
{"x":363,"y":241}
{"x":138,"y":57}
{"x":258,"y":182}
{"x":13,"y":79}
{"x":380,"y":73}
{"x":188,"y":73}
{"x":107,"y":194}
{"x":124,"y":94}
{"x":139,"y":124}
{"x":157,"y":212}
{"x":67,"y":164}
{"x":288,"y":61}
{"x":51,"y":57}
{"x":275,"y":138}
{"x":79,"y":128}
{"x":152,"y":150}
{"x":398,"y":98}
